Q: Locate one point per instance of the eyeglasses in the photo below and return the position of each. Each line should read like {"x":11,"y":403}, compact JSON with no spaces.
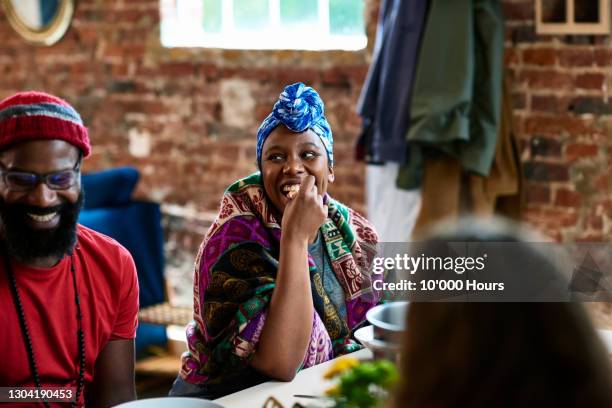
{"x":20,"y":181}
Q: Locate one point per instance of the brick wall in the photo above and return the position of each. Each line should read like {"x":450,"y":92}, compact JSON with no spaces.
{"x":563,"y":114}
{"x":187,"y":117}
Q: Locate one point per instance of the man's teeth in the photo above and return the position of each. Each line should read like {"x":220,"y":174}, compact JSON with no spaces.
{"x":42,"y":218}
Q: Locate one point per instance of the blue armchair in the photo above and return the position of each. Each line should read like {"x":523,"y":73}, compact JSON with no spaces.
{"x":136,"y":225}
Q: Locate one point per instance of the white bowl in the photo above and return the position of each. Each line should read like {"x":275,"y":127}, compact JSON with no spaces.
{"x":168,"y":402}
{"x":365,"y":336}
{"x":387,"y":326}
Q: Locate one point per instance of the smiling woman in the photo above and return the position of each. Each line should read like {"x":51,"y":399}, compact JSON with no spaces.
{"x":282,"y":277}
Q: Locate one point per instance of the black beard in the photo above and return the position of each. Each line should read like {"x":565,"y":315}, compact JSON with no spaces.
{"x":28,"y":244}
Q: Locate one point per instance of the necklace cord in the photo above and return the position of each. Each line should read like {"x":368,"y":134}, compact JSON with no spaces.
{"x":22,"y":321}
{"x":26,"y":332}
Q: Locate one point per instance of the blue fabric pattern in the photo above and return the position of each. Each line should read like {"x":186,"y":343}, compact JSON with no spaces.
{"x":299,"y":107}
{"x":330,"y":282}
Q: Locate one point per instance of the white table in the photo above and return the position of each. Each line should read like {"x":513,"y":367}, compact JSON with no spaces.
{"x":606,"y":336}
{"x":309,"y":381}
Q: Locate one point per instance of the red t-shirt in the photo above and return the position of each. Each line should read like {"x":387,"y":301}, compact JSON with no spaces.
{"x":108,"y":289}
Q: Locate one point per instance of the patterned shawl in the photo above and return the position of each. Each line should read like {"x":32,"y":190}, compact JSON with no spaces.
{"x":235,"y":275}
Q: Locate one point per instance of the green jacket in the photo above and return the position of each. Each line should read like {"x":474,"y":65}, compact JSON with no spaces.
{"x":456,"y":100}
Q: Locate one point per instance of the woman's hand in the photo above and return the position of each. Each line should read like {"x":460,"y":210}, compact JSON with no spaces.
{"x":305,"y":213}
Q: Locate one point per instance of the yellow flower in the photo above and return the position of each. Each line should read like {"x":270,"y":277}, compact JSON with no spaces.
{"x":340,"y":366}
{"x":333,"y":391}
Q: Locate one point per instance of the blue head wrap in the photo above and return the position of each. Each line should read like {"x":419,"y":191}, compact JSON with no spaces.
{"x":299,"y":107}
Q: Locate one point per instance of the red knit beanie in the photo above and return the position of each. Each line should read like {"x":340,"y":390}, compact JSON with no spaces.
{"x":37,"y":115}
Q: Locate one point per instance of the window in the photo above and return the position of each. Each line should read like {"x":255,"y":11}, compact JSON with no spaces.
{"x":264,"y":24}
{"x":573,"y":16}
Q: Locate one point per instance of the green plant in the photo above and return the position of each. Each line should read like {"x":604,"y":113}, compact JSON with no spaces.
{"x":362,"y":384}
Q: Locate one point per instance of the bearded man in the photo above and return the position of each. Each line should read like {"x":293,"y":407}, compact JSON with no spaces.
{"x":68,"y":295}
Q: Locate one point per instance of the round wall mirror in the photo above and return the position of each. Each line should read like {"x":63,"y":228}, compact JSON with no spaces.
{"x":40,"y":21}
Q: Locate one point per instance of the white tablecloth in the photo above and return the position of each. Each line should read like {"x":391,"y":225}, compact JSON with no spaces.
{"x":309,"y":381}
{"x":606,"y":336}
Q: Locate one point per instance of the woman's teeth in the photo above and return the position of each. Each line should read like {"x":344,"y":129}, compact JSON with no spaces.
{"x":291,"y":190}
{"x":42,"y":218}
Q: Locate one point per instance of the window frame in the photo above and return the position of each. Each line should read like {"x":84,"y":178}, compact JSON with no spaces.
{"x":272,"y":38}
{"x":570,"y":26}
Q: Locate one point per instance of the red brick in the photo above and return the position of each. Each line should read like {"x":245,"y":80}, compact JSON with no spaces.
{"x":548,"y":79}
{"x":603,"y":57}
{"x":604,"y":181}
{"x":132,"y":16}
{"x":553,"y":217}
{"x":595,"y":222}
{"x":229,"y":72}
{"x":519,"y":100}
{"x":553,"y":234}
{"x":225,"y":153}
{"x":589,"y":237}
{"x":576,"y":151}
{"x":556,"y":125}
{"x":546,"y":172}
{"x":259,"y":74}
{"x":524,"y":33}
{"x":576,"y":57}
{"x":59,"y":49}
{"x":177,"y":69}
{"x":142,"y":3}
{"x":131,"y":34}
{"x":538,"y":194}
{"x":544,"y":146}
{"x":567,"y":198}
{"x":335,"y":77}
{"x":289,"y":75}
{"x":595,"y":105}
{"x":511,"y":56}
{"x":208,"y":70}
{"x":356,"y":73}
{"x":140,"y":106}
{"x":549,"y":103}
{"x":590,"y":81}
{"x":523,"y":10}
{"x":124,"y":50}
{"x":118,"y":70}
{"x":88,"y":34}
{"x":607,"y":207}
{"x":540,"y":56}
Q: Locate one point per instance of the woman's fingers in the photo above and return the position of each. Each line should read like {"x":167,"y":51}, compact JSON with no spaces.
{"x":307,"y":185}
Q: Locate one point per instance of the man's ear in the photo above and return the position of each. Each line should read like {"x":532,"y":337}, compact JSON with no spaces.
{"x":330,"y":175}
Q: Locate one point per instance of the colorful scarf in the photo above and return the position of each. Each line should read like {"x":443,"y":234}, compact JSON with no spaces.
{"x":235,"y":276}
